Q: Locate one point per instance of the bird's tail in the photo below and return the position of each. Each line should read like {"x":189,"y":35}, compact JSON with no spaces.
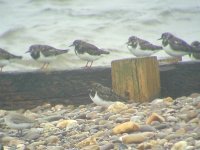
{"x":16,"y":57}
{"x":59,"y":51}
{"x":104,"y":52}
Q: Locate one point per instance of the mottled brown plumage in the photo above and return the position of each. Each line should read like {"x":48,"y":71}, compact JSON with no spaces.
{"x":104,"y":96}
{"x":44,"y":53}
{"x":5,"y":57}
{"x":87,"y":51}
{"x":140,"y":47}
{"x":196,"y":47}
{"x":177,"y":46}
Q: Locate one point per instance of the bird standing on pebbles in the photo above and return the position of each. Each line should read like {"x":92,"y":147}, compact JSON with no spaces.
{"x":87,"y":51}
{"x":141,"y":48}
{"x":17,"y":121}
{"x":104,"y":96}
{"x":44,"y":54}
{"x":5,"y":58}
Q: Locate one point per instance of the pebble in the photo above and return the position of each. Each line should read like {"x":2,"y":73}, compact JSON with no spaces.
{"x":107,"y":146}
{"x":126,"y":127}
{"x":52,"y":140}
{"x":161,"y":124}
{"x":181,"y":145}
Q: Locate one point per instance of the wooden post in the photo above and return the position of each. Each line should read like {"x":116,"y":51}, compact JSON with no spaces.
{"x":136,"y":78}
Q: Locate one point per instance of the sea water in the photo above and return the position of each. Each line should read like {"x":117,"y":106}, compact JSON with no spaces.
{"x":107,"y":24}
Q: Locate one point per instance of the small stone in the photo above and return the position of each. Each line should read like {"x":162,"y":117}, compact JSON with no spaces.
{"x":162,"y":126}
{"x":130,"y":111}
{"x":57,"y":107}
{"x":48,"y":128}
{"x":21,"y":147}
{"x":107,"y":146}
{"x":180,"y":131}
{"x":171,"y":119}
{"x":53,"y":118}
{"x":126,"y":127}
{"x":52,"y":140}
{"x":197,"y":144}
{"x":147,"y":128}
{"x":9,"y":141}
{"x":172,"y":136}
{"x":117,"y":107}
{"x":91,"y":147}
{"x":190,"y":148}
{"x":154,"y":117}
{"x":91,"y":115}
{"x":55,"y":148}
{"x":86,"y":142}
{"x":194,"y":95}
{"x":120,"y":120}
{"x":136,"y":119}
{"x":32,"y":134}
{"x":136,"y":138}
{"x":65,"y":123}
{"x":181,"y":145}
{"x":191,"y":114}
{"x":35,"y":144}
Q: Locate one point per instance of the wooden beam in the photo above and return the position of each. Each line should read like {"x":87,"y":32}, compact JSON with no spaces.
{"x":29,"y":89}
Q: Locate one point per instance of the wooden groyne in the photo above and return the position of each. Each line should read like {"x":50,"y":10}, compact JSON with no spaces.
{"x":28,"y":89}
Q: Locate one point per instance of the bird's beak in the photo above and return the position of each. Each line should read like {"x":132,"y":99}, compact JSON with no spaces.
{"x":27,"y":51}
{"x":160,"y":38}
{"x":71,"y":45}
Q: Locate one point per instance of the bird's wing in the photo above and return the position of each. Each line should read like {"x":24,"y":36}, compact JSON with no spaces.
{"x":180,"y":45}
{"x":145,"y":45}
{"x":90,"y":49}
{"x":6,"y":55}
{"x":108,"y":94}
{"x":48,"y":50}
{"x":20,"y":119}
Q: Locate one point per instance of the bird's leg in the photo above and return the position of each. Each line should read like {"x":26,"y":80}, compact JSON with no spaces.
{"x":91,"y":64}
{"x":86,"y":64}
{"x":47,"y":64}
{"x":43,"y":66}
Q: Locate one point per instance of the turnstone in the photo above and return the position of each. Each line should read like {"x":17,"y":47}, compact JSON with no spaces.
{"x":17,"y":121}
{"x":5,"y":58}
{"x":87,"y":51}
{"x":176,"y":46}
{"x":196,"y":47}
{"x":104,"y":96}
{"x":44,"y":53}
{"x":140,"y":47}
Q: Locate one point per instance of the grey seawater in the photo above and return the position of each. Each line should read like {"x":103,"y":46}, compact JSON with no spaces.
{"x":107,"y":24}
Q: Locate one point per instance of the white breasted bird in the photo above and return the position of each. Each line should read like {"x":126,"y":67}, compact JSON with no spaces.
{"x":175,"y":46}
{"x":87,"y":51}
{"x":141,"y":48}
{"x":44,"y":53}
{"x":104,"y":96}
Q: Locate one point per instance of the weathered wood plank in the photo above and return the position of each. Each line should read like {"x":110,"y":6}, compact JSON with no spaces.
{"x":27,"y":89}
{"x":136,"y":78}
{"x":71,"y":87}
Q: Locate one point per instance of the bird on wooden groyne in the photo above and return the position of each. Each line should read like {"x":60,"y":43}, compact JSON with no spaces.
{"x":87,"y":51}
{"x":141,"y":48}
{"x":6,"y":58}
